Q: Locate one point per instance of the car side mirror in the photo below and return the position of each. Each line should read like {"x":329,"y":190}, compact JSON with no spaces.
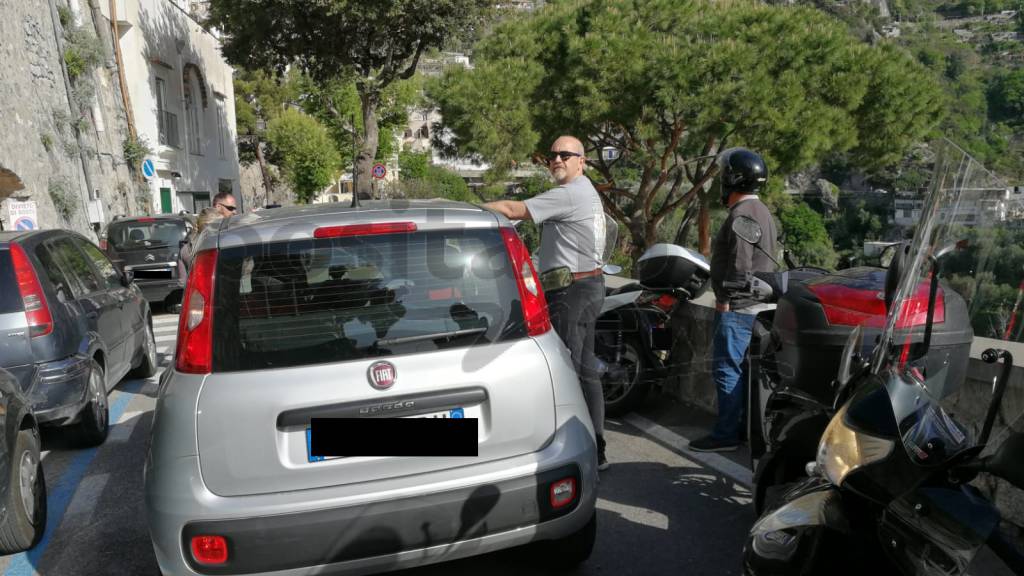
{"x":1008,"y":461}
{"x":747,"y":229}
{"x":127,"y":277}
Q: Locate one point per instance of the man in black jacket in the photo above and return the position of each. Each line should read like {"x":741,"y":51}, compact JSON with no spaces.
{"x":742,"y":174}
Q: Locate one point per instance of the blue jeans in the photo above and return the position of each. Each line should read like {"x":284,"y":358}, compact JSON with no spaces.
{"x":731,"y":340}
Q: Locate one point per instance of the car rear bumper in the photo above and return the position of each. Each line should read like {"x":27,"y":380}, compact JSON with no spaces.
{"x":436,"y":517}
{"x":156,"y":291}
{"x":60,"y":392}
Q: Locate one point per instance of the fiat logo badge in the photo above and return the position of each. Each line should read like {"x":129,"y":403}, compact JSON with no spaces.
{"x":382,"y":375}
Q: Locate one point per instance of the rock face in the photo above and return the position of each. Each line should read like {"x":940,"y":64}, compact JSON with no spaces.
{"x":39,"y":118}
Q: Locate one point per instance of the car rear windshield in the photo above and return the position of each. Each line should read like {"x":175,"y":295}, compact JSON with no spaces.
{"x":139,"y":234}
{"x":10,"y":295}
{"x":335,"y":299}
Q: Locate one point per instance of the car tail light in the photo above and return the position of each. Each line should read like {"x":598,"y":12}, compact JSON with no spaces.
{"x":195,"y":326}
{"x":103,"y":244}
{"x":210,"y":550}
{"x":665,"y":302}
{"x":364,"y":229}
{"x":146,"y":220}
{"x":37,"y":312}
{"x":563,"y":492}
{"x":535,"y":306}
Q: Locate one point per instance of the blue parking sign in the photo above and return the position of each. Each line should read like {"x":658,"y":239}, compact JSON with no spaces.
{"x":148,"y":168}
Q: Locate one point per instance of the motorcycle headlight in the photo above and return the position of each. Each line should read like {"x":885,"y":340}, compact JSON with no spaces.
{"x":843,"y":449}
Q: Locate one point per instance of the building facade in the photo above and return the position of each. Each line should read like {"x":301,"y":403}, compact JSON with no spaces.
{"x":182,"y":101}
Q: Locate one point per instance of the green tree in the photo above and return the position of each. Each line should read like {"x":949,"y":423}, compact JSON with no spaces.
{"x":421,"y":179}
{"x":303,"y":148}
{"x":854,"y":224}
{"x":669,"y":83}
{"x":1007,"y":97}
{"x":371,"y":42}
{"x":806,"y":236}
{"x":259,"y":98}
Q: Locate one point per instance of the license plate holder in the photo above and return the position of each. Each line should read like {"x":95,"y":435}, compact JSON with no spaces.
{"x":458,"y":412}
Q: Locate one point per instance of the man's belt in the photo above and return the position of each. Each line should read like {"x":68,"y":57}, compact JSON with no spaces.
{"x":579,"y":275}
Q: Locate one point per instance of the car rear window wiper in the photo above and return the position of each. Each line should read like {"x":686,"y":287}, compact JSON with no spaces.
{"x":436,"y":336}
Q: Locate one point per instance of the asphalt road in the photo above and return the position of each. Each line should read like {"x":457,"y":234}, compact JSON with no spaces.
{"x":660,"y":510}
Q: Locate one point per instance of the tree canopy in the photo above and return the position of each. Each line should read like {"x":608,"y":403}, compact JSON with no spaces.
{"x":303,"y":148}
{"x":372,"y":43}
{"x":669,"y":83}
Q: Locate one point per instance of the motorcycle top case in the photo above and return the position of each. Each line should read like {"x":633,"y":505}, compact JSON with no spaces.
{"x":667,"y":267}
{"x":814,"y":318}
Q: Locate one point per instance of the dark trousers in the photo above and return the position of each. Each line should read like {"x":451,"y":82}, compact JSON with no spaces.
{"x":574,"y":311}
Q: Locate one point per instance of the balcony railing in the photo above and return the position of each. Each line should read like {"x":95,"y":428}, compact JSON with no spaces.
{"x":168,"y":128}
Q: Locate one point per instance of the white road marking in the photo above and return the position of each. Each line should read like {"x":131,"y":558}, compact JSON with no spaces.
{"x":637,"y":514}
{"x":710,"y":459}
{"x":86,"y":496}
{"x":123,"y":431}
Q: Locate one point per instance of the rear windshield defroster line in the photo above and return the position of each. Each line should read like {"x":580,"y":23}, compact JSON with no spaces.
{"x":316,"y":301}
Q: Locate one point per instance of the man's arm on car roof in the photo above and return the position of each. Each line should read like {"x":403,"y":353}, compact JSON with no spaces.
{"x":511,"y":209}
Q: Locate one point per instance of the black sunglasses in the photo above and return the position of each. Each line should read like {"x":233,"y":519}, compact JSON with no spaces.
{"x":564,"y":155}
{"x":229,"y":208}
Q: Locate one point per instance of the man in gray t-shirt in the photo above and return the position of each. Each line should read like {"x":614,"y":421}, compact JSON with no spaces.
{"x":572,"y":235}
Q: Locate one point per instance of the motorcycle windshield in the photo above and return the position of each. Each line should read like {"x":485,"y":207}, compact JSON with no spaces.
{"x":964,"y":232}
{"x":929,"y":434}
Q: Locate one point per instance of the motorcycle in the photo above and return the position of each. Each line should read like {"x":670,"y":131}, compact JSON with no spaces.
{"x":889,"y":489}
{"x":802,"y":319}
{"x":634,"y":337}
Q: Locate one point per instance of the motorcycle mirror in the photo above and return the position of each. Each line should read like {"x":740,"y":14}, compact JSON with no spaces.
{"x":747,"y":229}
{"x":1008,"y":461}
{"x":611,"y":269}
{"x":896,"y":266}
{"x":888,"y":253}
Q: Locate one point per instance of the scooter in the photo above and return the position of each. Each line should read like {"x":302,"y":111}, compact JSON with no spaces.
{"x":803,"y":317}
{"x":634,"y":336}
{"x":888,"y":491}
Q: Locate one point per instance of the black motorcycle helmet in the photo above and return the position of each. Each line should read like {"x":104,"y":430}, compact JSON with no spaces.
{"x":740,"y":170}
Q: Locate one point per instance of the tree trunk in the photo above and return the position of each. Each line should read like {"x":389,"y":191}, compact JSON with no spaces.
{"x":704,"y":225}
{"x":368,"y":147}
{"x":267,"y":188}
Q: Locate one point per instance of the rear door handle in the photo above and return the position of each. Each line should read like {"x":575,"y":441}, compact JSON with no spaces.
{"x":91,"y":315}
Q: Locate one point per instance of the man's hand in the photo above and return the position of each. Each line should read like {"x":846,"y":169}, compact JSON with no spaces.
{"x":722,"y":306}
{"x":511,"y":209}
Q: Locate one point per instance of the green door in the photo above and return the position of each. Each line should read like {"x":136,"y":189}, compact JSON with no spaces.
{"x":165,"y":200}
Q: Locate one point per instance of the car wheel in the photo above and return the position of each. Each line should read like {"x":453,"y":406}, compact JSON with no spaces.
{"x":148,"y":363}
{"x":95,"y":422}
{"x":624,"y":384}
{"x":575,"y":548}
{"x":25,"y":521}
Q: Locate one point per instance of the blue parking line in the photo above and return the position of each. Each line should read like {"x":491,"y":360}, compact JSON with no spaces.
{"x":59,"y":494}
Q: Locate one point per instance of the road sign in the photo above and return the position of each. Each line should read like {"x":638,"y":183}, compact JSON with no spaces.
{"x":379,"y":171}
{"x":22,"y":215}
{"x":148,"y":169}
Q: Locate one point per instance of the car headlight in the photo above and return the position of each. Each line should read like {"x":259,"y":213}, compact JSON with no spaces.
{"x":843,"y":449}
